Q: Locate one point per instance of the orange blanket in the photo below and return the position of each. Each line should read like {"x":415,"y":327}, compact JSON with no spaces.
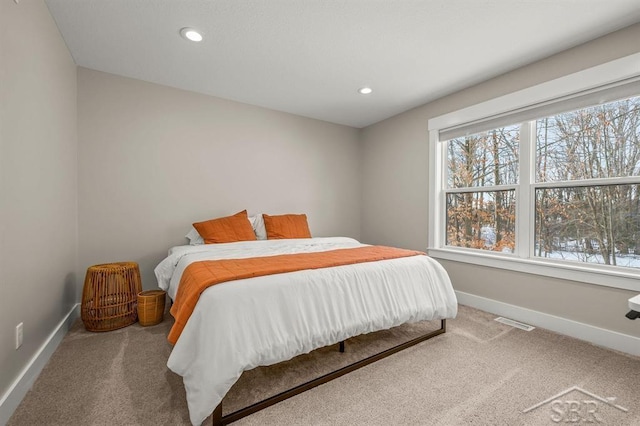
{"x":198,"y":276}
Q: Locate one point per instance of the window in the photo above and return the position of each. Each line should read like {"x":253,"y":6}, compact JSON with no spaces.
{"x":550,"y":183}
{"x":482,"y":174}
{"x":582,"y":213}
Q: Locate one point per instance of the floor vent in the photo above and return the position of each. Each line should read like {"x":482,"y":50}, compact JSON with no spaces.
{"x":516,"y":324}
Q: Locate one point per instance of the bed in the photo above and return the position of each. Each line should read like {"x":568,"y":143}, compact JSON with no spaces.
{"x":238,"y":325}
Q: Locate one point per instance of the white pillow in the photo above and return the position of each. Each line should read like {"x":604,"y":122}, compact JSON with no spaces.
{"x":194,"y":238}
{"x":257,"y":223}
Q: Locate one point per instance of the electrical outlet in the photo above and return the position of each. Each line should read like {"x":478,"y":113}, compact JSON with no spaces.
{"x":19,"y":335}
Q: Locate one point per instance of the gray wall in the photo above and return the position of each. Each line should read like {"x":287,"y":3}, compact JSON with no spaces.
{"x":38,"y":181}
{"x":153,"y":160}
{"x":395,"y":158}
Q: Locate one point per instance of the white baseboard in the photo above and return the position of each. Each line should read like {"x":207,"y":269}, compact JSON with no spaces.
{"x":19,"y":388}
{"x":596,"y":335}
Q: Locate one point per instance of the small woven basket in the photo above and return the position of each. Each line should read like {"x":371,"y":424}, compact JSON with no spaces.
{"x":151,"y":307}
{"x":109,"y":296}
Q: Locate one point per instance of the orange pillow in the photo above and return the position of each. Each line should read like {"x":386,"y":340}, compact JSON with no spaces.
{"x":226,"y":229}
{"x":286,"y":226}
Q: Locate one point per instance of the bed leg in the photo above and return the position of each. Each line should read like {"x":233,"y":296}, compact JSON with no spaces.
{"x":342,"y":346}
{"x":217,"y":415}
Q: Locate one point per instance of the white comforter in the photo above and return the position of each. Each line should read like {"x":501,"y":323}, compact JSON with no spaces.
{"x":239,"y":325}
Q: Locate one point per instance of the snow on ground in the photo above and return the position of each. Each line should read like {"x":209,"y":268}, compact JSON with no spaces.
{"x":626,"y":260}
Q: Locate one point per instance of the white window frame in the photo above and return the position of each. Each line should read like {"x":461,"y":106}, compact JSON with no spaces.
{"x":522,"y":260}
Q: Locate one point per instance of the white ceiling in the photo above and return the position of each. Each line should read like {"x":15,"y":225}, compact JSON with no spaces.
{"x":309,"y":57}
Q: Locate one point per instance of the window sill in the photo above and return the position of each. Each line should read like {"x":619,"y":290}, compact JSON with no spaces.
{"x":599,"y":275}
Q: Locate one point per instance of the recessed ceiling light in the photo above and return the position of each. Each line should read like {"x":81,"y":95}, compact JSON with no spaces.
{"x":365,"y":90}
{"x":191,"y":34}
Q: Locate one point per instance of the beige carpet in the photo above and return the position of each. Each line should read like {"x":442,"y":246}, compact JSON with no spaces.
{"x":480,"y":372}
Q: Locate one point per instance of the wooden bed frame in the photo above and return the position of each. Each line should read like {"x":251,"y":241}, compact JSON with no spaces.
{"x":219,"y":419}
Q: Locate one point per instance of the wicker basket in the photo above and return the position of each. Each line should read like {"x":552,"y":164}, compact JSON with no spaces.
{"x":109,"y":296}
{"x":151,"y":307}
